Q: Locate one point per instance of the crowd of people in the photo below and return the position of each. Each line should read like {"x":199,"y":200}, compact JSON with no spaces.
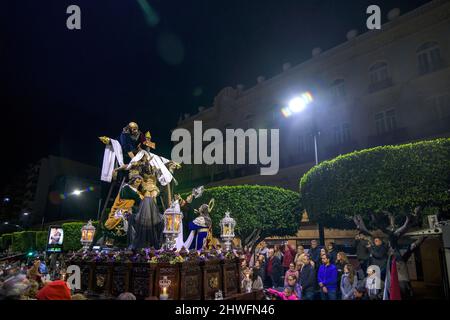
{"x":317,"y":273}
{"x":39,"y":277}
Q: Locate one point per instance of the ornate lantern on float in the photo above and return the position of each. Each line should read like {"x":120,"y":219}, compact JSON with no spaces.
{"x":87,"y":235}
{"x":227,"y":225}
{"x":173,"y":218}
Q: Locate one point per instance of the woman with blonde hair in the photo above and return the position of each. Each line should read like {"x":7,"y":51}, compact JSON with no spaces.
{"x":300,"y":251}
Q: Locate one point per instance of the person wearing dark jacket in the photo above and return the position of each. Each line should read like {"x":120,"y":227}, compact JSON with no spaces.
{"x":314,"y":253}
{"x":362,"y":251}
{"x":332,"y":252}
{"x":307,"y":279}
{"x":379,"y":255}
{"x":274,"y":270}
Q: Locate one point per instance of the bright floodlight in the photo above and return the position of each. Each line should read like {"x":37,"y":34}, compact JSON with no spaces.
{"x":297,"y":104}
{"x":76,"y":192}
{"x":26,"y":213}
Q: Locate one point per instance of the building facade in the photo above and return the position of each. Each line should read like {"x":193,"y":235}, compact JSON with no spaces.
{"x":45,"y":192}
{"x":382,"y":87}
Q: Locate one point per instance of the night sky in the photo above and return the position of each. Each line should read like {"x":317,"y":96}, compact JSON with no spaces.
{"x":61,"y":89}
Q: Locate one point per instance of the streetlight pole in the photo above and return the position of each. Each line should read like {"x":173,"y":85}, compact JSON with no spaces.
{"x":316,"y":134}
{"x":296,"y":105}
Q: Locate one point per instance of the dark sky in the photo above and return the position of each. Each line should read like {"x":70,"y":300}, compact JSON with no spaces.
{"x":60,"y":89}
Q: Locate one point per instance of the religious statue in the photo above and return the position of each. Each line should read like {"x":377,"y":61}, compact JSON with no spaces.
{"x":144,"y":226}
{"x":126,"y":203}
{"x":200,"y":228}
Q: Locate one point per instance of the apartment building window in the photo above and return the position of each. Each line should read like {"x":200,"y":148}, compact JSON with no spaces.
{"x":342,"y":133}
{"x":440,"y":106}
{"x":338,"y":88}
{"x":378,"y":72}
{"x":385,"y":121}
{"x":305,"y":144}
{"x":429,"y":57}
{"x":346,"y":133}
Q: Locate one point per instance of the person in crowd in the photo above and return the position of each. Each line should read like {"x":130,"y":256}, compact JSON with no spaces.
{"x":314,"y":252}
{"x":246,"y":281}
{"x":374,"y":284}
{"x":307,"y":279}
{"x":263,"y":249}
{"x":286,"y":294}
{"x":274,"y":269}
{"x":43,"y":267}
{"x":291,"y":271}
{"x":126,"y":296}
{"x":78,"y":296}
{"x":341,"y":262}
{"x":300,"y":251}
{"x":277,"y":252}
{"x":55,"y":290}
{"x":14,"y":287}
{"x":327,"y":279}
{"x":323,"y":251}
{"x":288,"y":256}
{"x":349,"y":281}
{"x":34,"y":274}
{"x":362,"y":250}
{"x":360,"y":292}
{"x":248,"y":255}
{"x":379,"y":255}
{"x":257,"y":282}
{"x":298,"y":265}
{"x":332,"y":252}
{"x":292,"y":282}
{"x":252,"y":281}
{"x":258,"y":269}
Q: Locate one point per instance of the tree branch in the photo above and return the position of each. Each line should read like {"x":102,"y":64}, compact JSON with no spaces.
{"x":252,"y":242}
{"x":400,"y":231}
{"x":377,"y":223}
{"x":248,"y":239}
{"x":391,"y":218}
{"x":413,"y":247}
{"x":360,"y":225}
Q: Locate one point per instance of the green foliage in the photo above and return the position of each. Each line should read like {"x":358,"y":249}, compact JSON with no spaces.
{"x":394,"y":178}
{"x":5,"y":241}
{"x":23,"y":241}
{"x":72,"y":234}
{"x":275,"y":211}
{"x":41,"y":240}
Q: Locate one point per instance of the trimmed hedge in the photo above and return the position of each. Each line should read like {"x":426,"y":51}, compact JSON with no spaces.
{"x":41,"y":240}
{"x":37,"y":240}
{"x":6,"y":240}
{"x":276,"y":211}
{"x":23,"y":241}
{"x":395,"y":178}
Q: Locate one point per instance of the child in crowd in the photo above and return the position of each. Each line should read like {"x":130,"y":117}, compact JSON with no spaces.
{"x":286,"y":294}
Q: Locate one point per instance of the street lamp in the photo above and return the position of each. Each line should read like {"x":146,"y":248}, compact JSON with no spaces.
{"x":77,"y":192}
{"x":296,"y":105}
